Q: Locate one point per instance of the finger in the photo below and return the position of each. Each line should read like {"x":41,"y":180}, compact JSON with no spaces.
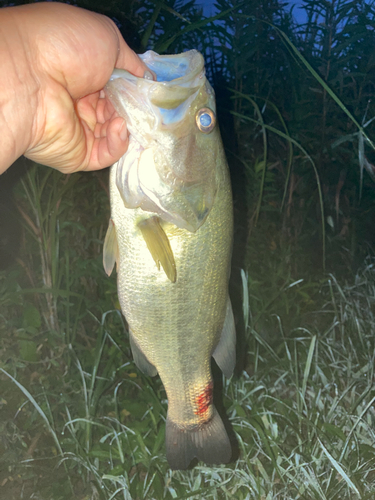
{"x":117,"y":139}
{"x":129,"y":60}
{"x":87,"y":109}
{"x":104,"y":109}
{"x":109,"y":144}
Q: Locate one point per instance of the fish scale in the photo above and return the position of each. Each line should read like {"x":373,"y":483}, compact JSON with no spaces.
{"x":173,"y":252}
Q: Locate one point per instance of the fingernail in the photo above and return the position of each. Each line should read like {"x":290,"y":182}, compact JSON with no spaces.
{"x":123,"y":132}
{"x":149,"y":75}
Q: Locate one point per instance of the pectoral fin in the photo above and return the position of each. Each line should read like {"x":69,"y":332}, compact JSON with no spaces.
{"x":158,"y":244}
{"x":140,"y":359}
{"x":110,"y":249}
{"x":225,"y":352}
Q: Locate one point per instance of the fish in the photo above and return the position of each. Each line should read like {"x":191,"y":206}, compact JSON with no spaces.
{"x":170,"y":236}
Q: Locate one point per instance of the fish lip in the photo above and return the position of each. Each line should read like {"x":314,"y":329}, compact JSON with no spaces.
{"x":194,"y":68}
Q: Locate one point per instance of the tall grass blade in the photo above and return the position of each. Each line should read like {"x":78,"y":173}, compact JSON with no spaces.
{"x":326,"y":87}
{"x":293,"y":141}
{"x":339,"y":469}
{"x":38,"y":409}
{"x":44,"y":417}
{"x":162,"y":47}
{"x":245,"y":299}
{"x":151,"y":24}
{"x":306,"y":373}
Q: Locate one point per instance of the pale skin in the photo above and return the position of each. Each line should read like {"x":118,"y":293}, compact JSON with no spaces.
{"x":55,"y":60}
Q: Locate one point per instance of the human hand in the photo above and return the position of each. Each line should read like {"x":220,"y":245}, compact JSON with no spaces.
{"x":61,"y":57}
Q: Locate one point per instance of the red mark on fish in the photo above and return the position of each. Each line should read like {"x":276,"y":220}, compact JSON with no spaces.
{"x":204,"y":400}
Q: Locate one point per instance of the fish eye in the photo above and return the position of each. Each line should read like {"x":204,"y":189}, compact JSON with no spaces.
{"x":206,"y":120}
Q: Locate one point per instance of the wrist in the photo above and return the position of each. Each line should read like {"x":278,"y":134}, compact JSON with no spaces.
{"x":18,"y":89}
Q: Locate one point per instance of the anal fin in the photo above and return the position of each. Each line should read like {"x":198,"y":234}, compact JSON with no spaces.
{"x":140,"y":359}
{"x":208,"y":442}
{"x":158,"y":244}
{"x":225,"y":352}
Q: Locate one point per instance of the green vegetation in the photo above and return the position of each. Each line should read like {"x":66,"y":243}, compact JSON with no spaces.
{"x":77,"y":418}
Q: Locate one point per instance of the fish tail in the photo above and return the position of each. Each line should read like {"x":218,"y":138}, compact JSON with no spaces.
{"x":208,"y":442}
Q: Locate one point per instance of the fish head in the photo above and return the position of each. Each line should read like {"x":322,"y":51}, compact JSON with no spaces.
{"x":170,"y":166}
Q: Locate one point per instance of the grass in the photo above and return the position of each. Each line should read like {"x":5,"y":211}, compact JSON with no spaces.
{"x":301,"y":412}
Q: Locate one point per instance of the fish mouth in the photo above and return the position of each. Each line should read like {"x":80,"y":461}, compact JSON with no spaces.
{"x":172,"y":70}
{"x":178,"y":79}
{"x":180,"y":69}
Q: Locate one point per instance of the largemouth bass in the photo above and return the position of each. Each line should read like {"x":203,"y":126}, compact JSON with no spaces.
{"x":170,"y":234}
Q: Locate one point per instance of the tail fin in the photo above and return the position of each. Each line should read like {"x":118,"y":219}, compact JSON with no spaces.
{"x":208,"y":442}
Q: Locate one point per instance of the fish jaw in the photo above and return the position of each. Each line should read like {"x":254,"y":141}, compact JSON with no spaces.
{"x":169,"y":168}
